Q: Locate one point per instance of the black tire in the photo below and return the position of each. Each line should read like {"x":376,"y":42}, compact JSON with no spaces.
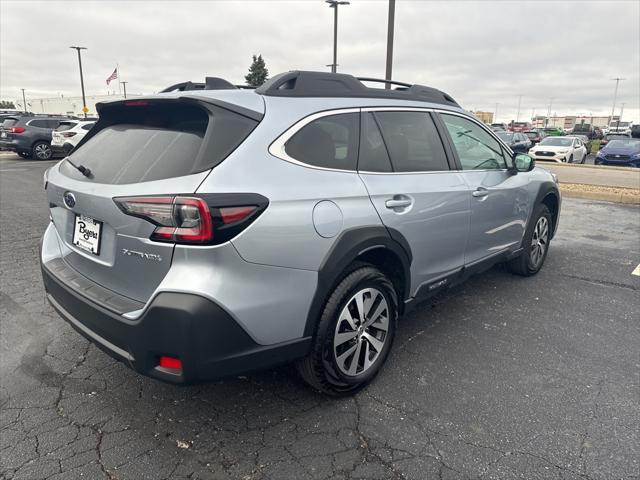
{"x":319,"y":368}
{"x":41,"y":151}
{"x":524,"y":264}
{"x":570,"y":159}
{"x":25,"y":154}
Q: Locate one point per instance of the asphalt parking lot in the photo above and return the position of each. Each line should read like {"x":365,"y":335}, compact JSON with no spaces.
{"x":500,"y":378}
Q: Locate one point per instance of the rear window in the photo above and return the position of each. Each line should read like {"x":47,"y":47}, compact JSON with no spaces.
{"x":65,"y":126}
{"x":9,"y":122}
{"x":158,"y":140}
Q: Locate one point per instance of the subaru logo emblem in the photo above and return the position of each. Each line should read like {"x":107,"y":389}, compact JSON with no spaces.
{"x":69,"y":199}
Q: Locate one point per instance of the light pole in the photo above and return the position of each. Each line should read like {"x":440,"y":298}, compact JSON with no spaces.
{"x":390,"y":27}
{"x":334,"y":4}
{"x":84,"y":102}
{"x":495,"y":115}
{"x":24,"y":101}
{"x":615,"y":95}
{"x":548,"y":112}
{"x":519,"y":102}
{"x":124,"y":86}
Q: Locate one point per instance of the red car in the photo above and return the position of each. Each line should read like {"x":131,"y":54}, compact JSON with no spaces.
{"x":534,"y":135}
{"x":520,"y":126}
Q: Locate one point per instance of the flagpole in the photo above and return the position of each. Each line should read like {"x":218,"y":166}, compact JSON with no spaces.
{"x":119,"y":85}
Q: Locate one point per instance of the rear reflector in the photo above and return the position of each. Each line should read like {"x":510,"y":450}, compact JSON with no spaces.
{"x":235,"y":214}
{"x":170,"y":362}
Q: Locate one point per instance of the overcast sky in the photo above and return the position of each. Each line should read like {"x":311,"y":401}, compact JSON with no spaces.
{"x":480,"y":52}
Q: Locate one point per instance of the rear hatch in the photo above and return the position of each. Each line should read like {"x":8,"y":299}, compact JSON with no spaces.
{"x":6,"y":128}
{"x":141,"y":148}
{"x":61,"y":133}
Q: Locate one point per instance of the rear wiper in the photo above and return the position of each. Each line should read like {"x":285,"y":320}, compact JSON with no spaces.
{"x":83,"y":170}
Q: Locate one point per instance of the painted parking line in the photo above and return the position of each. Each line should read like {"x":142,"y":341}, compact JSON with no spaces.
{"x":636,"y":271}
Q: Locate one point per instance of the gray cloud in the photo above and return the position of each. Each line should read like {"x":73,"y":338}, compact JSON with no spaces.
{"x":480,"y":52}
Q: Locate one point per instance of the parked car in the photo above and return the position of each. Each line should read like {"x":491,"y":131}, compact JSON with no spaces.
{"x":520,"y":126}
{"x":635,"y":131}
{"x":518,"y":142}
{"x":560,"y":149}
{"x":203,"y":233}
{"x":499,"y":126}
{"x":613,"y":136}
{"x":621,"y":152}
{"x":535,"y":136}
{"x":620,"y":127}
{"x":583,"y":129}
{"x":585,"y":140}
{"x":553,"y":131}
{"x":29,"y":136}
{"x":598,"y":133}
{"x":68,"y":134}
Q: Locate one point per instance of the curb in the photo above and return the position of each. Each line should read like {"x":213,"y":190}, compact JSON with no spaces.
{"x":585,"y":165}
{"x":628,"y":196}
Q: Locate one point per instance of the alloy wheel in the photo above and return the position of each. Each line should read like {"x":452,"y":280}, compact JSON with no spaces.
{"x":361,"y":332}
{"x":539,"y":241}
{"x":43,"y":151}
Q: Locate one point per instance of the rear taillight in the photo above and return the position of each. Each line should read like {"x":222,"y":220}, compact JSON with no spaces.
{"x":68,"y":134}
{"x":17,"y":129}
{"x":191,"y":220}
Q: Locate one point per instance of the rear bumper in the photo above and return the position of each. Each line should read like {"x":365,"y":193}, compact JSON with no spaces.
{"x":207,"y":340}
{"x":10,"y":145}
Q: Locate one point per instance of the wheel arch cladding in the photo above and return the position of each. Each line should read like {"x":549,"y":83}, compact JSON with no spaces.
{"x":384,"y":248}
{"x":549,"y":196}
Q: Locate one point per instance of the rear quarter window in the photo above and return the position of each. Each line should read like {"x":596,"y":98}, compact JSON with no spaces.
{"x":9,"y":122}
{"x":328,"y":142}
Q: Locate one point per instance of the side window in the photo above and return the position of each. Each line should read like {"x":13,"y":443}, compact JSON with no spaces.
{"x":328,"y":142}
{"x":412,"y":141}
{"x":38,"y":123}
{"x":373,"y":152}
{"x":476,"y":149}
{"x":88,"y":126}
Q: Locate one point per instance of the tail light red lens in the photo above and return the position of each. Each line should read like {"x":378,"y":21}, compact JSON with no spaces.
{"x":190,"y":220}
{"x":17,"y":129}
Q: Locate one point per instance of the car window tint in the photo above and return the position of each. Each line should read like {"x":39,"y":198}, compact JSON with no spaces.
{"x":412,"y":141}
{"x":476,"y":149}
{"x":373,"y":152}
{"x":88,"y":126}
{"x":328,"y":142}
{"x":38,"y":123}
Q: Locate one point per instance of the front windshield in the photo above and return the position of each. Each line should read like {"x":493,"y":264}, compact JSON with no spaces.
{"x":531,"y":134}
{"x":557,"y":142}
{"x":506,"y":136}
{"x":632,"y":143}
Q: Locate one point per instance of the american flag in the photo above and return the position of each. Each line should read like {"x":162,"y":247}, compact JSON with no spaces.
{"x":113,"y":76}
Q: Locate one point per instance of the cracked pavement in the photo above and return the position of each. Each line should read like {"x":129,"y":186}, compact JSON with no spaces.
{"x":499,"y":378}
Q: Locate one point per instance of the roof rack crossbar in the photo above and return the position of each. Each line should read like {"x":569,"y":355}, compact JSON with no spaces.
{"x":379,"y":80}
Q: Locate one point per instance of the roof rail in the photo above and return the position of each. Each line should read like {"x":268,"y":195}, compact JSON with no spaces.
{"x":324,"y":84}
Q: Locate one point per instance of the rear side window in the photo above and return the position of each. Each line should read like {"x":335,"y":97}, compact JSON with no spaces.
{"x":328,"y":142}
{"x":157,"y":141}
{"x":88,"y":126}
{"x":39,"y":123}
{"x":412,"y":141}
{"x":373,"y":152}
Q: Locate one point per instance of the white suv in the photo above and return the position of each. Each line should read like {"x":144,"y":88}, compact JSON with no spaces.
{"x":68,"y":134}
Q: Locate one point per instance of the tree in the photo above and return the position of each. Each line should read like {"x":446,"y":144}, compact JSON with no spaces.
{"x":6,"y":104}
{"x":258,"y":72}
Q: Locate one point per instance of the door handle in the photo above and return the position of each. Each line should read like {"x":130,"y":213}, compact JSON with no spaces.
{"x":480,"y":192}
{"x":398,"y":201}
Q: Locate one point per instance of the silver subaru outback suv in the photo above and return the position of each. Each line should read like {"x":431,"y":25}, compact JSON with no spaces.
{"x":209,"y":230}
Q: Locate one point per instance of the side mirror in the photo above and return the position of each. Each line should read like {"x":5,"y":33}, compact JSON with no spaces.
{"x":523,"y":163}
